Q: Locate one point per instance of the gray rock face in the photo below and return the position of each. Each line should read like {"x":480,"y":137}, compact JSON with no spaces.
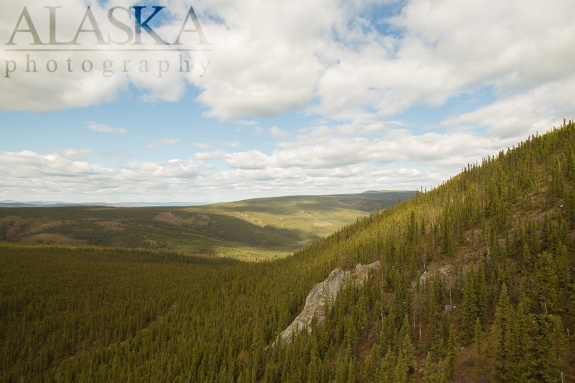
{"x":324,"y":294}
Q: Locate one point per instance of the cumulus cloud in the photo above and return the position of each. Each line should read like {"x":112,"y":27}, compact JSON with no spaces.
{"x":31,"y":164}
{"x":173,"y":169}
{"x":30,"y":78}
{"x":355,"y":73}
{"x":35,"y":176}
{"x":516,"y":116}
{"x":31,"y":175}
{"x":319,"y":56}
{"x":396,"y":146}
{"x":105,"y":129}
{"x":316,"y":161}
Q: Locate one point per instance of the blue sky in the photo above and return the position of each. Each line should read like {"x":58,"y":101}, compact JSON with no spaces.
{"x":314,"y":97}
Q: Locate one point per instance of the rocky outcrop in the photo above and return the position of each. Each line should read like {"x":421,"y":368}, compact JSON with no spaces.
{"x":324,"y":294}
{"x":445,"y":270}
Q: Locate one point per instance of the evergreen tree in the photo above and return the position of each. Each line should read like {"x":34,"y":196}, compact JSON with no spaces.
{"x":543,"y":366}
{"x":478,"y":369}
{"x":405,"y":360}
{"x":386,"y":369}
{"x":469,"y":309}
{"x":451,"y":354}
{"x":504,"y":368}
{"x":428,"y":372}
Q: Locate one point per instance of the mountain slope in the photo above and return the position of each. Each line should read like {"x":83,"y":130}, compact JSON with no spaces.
{"x":477,"y":282}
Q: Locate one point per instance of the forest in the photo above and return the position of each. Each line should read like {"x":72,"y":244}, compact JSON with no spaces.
{"x":477,"y":284}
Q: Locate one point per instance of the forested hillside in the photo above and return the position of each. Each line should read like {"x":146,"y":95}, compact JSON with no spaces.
{"x":477,"y":284}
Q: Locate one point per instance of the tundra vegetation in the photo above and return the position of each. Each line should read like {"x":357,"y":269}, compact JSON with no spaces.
{"x":497,"y":242}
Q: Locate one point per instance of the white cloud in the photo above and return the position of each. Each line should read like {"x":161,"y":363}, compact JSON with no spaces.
{"x":319,"y":57}
{"x":314,"y":161}
{"x":52,"y":81}
{"x":355,"y":73}
{"x":328,"y":151}
{"x":29,"y":176}
{"x":173,"y":169}
{"x":105,"y":129}
{"x":31,"y":164}
{"x":520,"y":115}
{"x":316,"y":55}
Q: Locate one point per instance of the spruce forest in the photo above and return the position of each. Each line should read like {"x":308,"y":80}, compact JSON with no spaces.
{"x":477,"y":284}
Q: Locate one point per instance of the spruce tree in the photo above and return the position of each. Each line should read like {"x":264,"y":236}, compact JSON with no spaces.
{"x":543,"y":366}
{"x":504,"y":368}
{"x":385,"y":372}
{"x":428,"y":372}
{"x":479,"y":357}
{"x":451,"y":354}
{"x":469,"y":308}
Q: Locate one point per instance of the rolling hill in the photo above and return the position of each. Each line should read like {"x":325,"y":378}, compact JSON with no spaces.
{"x":265,"y":228}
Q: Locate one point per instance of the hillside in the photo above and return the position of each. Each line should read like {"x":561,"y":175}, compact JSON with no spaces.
{"x":252,"y":229}
{"x":476,"y":282}
{"x":497,"y":242}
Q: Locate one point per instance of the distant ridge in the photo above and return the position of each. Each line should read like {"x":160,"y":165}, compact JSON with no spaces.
{"x":11,"y":203}
{"x":262,"y":228}
{"x":379,"y":194}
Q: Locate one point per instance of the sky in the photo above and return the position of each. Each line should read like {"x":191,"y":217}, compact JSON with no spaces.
{"x":281,"y":98}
